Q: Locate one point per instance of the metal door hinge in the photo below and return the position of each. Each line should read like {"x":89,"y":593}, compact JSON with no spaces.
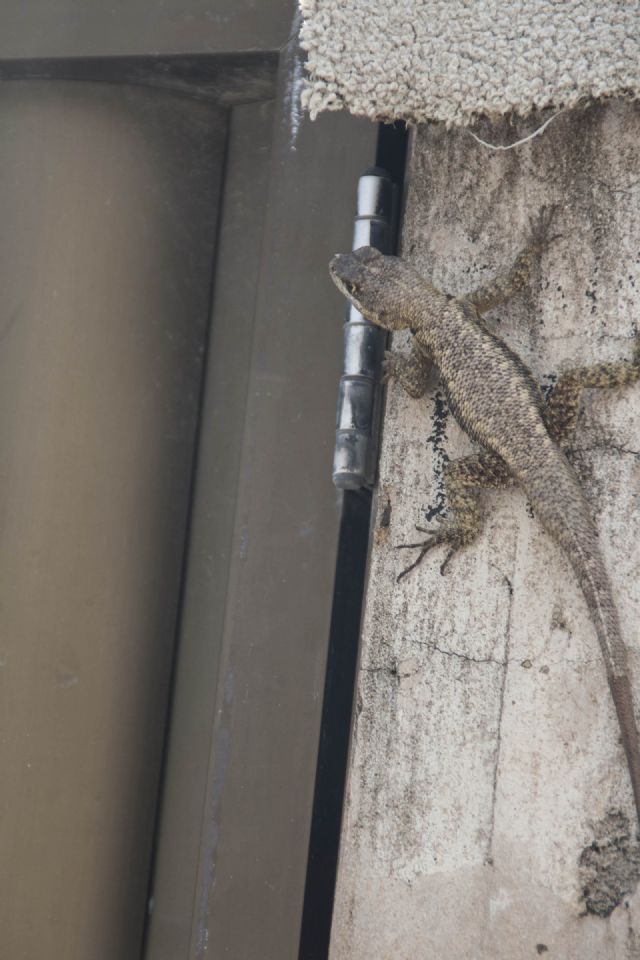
{"x":360,"y":392}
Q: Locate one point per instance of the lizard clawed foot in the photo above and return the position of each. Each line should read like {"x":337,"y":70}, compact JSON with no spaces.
{"x":448,"y":533}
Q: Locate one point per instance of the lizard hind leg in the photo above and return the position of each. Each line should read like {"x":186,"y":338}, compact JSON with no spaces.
{"x":563,"y":406}
{"x":463,"y":481}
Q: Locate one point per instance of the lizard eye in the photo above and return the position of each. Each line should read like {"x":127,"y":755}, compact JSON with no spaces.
{"x":350,"y":287}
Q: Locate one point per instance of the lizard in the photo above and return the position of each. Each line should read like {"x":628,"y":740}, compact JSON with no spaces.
{"x":523,"y":438}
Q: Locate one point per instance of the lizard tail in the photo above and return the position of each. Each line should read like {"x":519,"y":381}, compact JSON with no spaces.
{"x":574,"y":529}
{"x":623,"y":699}
{"x":594,"y":582}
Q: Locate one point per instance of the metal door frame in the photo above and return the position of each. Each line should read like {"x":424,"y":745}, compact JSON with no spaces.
{"x":259,"y":612}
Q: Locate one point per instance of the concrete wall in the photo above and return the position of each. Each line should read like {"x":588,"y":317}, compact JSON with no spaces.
{"x":485,"y":759}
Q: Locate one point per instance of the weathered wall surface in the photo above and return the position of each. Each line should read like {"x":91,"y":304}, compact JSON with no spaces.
{"x":485,"y":754}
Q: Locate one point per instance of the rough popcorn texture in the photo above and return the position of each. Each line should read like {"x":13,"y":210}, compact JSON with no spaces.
{"x":454,"y":60}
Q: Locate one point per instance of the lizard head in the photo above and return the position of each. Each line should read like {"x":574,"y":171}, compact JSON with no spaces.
{"x":377,"y":285}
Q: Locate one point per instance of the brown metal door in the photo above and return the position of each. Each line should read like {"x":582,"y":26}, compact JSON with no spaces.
{"x":108,"y":206}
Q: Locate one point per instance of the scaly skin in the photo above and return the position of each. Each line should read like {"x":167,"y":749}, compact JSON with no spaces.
{"x":495,"y":399}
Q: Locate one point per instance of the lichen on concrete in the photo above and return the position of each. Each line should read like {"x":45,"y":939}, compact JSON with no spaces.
{"x":609,"y":865}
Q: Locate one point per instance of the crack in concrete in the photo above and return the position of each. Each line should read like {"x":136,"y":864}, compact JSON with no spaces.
{"x":527,"y":663}
{"x":503,"y":687}
{"x":460,"y":656}
{"x":611,"y":447}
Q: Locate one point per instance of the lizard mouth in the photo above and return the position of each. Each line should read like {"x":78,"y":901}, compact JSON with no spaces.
{"x":335,"y":265}
{"x":339,"y":268}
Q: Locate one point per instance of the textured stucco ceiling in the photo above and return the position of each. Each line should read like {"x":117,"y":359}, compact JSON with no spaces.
{"x":454,"y":60}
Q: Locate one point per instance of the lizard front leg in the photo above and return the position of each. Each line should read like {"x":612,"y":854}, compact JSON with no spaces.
{"x":463,"y":481}
{"x":411,"y":371}
{"x":507,"y":286}
{"x":563,"y":406}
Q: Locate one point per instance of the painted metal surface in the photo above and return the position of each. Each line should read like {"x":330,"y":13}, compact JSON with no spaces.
{"x":105,"y":261}
{"x":256,"y":665}
{"x":232,"y":843}
{"x":123,"y":28}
